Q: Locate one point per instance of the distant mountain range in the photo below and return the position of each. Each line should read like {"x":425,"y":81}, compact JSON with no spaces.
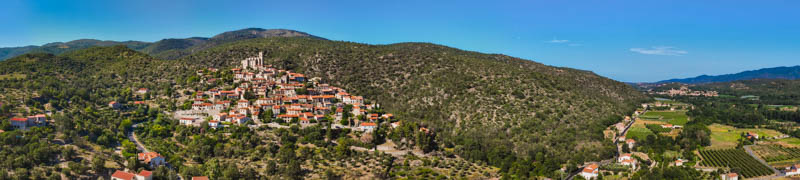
{"x":165,"y":48}
{"x":783,"y":72}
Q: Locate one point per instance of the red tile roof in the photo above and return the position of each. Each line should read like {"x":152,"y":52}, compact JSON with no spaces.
{"x":123,"y":175}
{"x":200,"y":178}
{"x":145,"y":173}
{"x":19,"y":119}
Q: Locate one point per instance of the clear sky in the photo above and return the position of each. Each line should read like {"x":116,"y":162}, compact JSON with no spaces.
{"x":629,"y":40}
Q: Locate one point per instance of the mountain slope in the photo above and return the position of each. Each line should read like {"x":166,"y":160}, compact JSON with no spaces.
{"x":61,"y":47}
{"x":176,"y":48}
{"x":766,"y":73}
{"x":171,"y":48}
{"x":494,"y":108}
{"x":485,"y":106}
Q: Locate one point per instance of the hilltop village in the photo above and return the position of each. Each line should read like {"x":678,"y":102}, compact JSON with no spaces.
{"x":261,"y":93}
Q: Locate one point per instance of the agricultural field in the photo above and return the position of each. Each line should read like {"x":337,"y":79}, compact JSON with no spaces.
{"x":724,"y":136}
{"x":638,"y":133}
{"x":734,"y":158}
{"x":788,"y":142}
{"x":672,"y":117}
{"x":657,"y":128}
{"x":776,"y":153}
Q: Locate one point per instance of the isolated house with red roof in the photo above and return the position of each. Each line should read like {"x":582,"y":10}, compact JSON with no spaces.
{"x":590,"y":171}
{"x":122,"y":175}
{"x":152,"y":158}
{"x":19,"y":122}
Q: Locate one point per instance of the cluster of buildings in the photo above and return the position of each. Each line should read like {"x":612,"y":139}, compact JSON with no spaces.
{"x":30,"y":121}
{"x":685,"y":91}
{"x":289,"y":96}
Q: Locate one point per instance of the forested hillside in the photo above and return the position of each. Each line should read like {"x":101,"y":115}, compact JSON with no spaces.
{"x":486,"y":106}
{"x":170,"y":48}
{"x":524,"y":117}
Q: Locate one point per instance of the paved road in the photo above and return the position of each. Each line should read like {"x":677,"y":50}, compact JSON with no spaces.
{"x":750,"y":152}
{"x":132,"y":138}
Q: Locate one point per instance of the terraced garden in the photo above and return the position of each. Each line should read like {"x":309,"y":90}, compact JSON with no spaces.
{"x":734,"y":158}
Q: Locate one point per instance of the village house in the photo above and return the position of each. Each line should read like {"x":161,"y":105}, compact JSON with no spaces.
{"x":590,"y":171}
{"x":368,"y":126}
{"x":793,"y":170}
{"x":122,"y":175}
{"x":114,"y":105}
{"x":241,"y":119}
{"x":187,"y":121}
{"x":630,"y":143}
{"x":627,"y":160}
{"x":142,"y":91}
{"x":729,"y":176}
{"x":152,"y":158}
{"x":200,"y":178}
{"x":213,"y":124}
{"x":19,"y":123}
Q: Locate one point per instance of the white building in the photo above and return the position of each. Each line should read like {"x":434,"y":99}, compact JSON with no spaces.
{"x":730,"y":176}
{"x":122,"y":175}
{"x":187,"y":121}
{"x":627,"y":160}
{"x":590,"y":171}
{"x":793,"y":170}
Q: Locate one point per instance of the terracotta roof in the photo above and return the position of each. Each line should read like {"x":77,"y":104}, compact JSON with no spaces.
{"x":368,"y":124}
{"x":590,"y":168}
{"x":145,"y":173}
{"x":733,"y":175}
{"x":123,"y":175}
{"x":19,"y":119}
{"x":200,"y":178}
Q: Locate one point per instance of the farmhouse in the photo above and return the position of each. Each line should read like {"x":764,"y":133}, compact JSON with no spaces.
{"x":152,"y":158}
{"x":590,"y":171}
{"x":142,"y":91}
{"x":122,"y":175}
{"x":679,"y":162}
{"x":19,"y":122}
{"x":793,"y":170}
{"x":751,"y":135}
{"x":114,"y":104}
{"x":630,"y":143}
{"x":730,"y":176}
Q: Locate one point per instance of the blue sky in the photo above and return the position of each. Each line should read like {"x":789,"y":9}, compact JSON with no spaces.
{"x":632,"y":41}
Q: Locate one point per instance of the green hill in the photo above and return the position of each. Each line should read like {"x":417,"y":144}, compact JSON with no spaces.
{"x":495,"y":108}
{"x":479,"y":102}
